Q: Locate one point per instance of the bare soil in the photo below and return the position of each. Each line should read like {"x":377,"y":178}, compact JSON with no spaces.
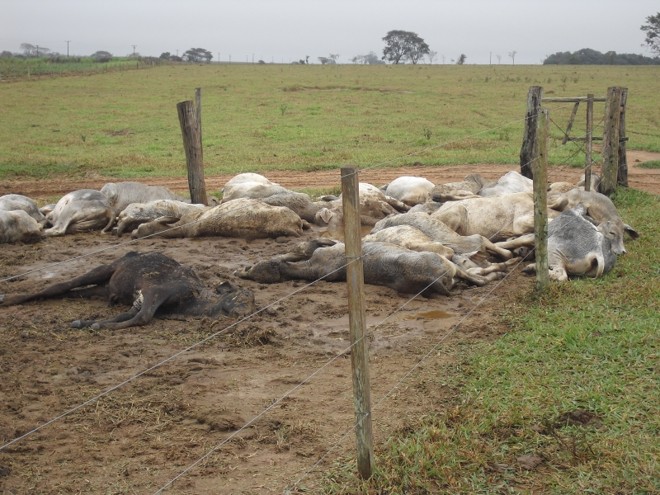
{"x":251,"y":407}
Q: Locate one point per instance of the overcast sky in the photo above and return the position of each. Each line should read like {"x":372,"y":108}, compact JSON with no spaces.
{"x":287,"y":30}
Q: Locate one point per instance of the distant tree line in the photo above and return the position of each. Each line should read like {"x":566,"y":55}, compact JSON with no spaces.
{"x":587,"y":56}
{"x":400,"y":47}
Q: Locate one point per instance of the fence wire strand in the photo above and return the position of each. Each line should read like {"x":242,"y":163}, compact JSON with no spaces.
{"x":234,"y":324}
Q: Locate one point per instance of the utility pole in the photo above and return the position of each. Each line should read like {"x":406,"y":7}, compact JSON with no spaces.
{"x":134,"y":46}
{"x":67,"y":48}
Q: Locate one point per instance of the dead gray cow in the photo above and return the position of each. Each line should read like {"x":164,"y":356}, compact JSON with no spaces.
{"x":412,"y":238}
{"x":389,"y":265}
{"x":136,"y":214}
{"x":576,"y":247}
{"x":122,"y":194}
{"x":19,"y":226}
{"x":374,"y":205}
{"x":410,"y":190}
{"x":151,"y":283}
{"x":11,"y":202}
{"x":243,"y":217}
{"x":600,"y":209}
{"x":80,"y":211}
{"x":438,"y":231}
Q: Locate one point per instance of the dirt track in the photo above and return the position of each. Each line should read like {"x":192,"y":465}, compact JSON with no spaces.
{"x":271,"y":397}
{"x":638,"y":178}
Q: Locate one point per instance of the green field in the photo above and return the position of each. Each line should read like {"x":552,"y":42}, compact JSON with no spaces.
{"x":263,"y":117}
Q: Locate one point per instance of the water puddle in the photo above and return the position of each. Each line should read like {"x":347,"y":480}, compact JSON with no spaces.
{"x":436,"y":314}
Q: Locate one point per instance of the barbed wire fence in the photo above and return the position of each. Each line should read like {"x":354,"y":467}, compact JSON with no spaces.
{"x":373,"y":331}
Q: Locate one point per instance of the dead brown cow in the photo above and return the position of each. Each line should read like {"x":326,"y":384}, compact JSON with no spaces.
{"x":150,"y":282}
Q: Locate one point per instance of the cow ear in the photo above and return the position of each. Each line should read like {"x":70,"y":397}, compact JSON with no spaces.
{"x":631,"y":232}
{"x":325,"y":214}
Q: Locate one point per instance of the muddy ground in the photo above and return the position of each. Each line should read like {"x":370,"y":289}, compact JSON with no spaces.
{"x":219,"y":406}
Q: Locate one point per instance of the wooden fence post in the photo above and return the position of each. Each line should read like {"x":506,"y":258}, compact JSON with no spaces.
{"x":622,"y":175}
{"x":539,"y":165}
{"x":588,"y":142}
{"x":357,"y":321}
{"x":198,"y":112}
{"x":192,"y":144}
{"x":527,"y":152}
{"x":611,"y":135}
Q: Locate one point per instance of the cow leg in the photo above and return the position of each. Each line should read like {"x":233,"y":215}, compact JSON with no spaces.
{"x":142,"y":312}
{"x":97,"y":276}
{"x":470,"y":276}
{"x":525,"y":240}
{"x":498,"y":267}
{"x":497,"y":249}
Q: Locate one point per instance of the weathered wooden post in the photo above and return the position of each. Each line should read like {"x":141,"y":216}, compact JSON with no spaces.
{"x":611,"y":135}
{"x":198,"y":111}
{"x":527,"y":152}
{"x":192,"y":144}
{"x":357,"y":321}
{"x":622,"y":175}
{"x":539,"y":165}
{"x":589,"y":142}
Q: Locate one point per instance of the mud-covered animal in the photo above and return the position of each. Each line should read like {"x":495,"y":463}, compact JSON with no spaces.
{"x":386,"y":264}
{"x":12,"y":202}
{"x":19,"y":226}
{"x":80,"y":211}
{"x":150,"y":283}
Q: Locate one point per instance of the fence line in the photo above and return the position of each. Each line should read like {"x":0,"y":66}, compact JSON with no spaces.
{"x":377,"y":165}
{"x":415,"y":367}
{"x":367,"y":335}
{"x":214,"y":335}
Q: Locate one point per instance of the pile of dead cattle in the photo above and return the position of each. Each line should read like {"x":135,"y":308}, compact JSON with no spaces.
{"x":422,"y":238}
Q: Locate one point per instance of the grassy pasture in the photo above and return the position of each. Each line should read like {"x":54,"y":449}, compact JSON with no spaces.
{"x":262,"y":117}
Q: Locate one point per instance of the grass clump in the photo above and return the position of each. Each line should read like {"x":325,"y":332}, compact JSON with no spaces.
{"x":565,"y":403}
{"x":650,"y":164}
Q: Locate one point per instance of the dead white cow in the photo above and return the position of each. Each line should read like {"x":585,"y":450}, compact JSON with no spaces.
{"x":136,"y":214}
{"x":410,"y":190}
{"x":80,"y":211}
{"x":455,"y":191}
{"x":10,"y":202}
{"x":498,"y":218}
{"x":255,"y":186}
{"x":409,"y":237}
{"x":18,"y":226}
{"x":374,"y":205}
{"x":243,"y":217}
{"x":509,"y":183}
{"x":438,"y":231}
{"x":122,"y":194}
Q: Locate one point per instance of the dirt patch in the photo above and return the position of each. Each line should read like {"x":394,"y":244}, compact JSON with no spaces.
{"x":638,"y":178}
{"x":219,"y":406}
